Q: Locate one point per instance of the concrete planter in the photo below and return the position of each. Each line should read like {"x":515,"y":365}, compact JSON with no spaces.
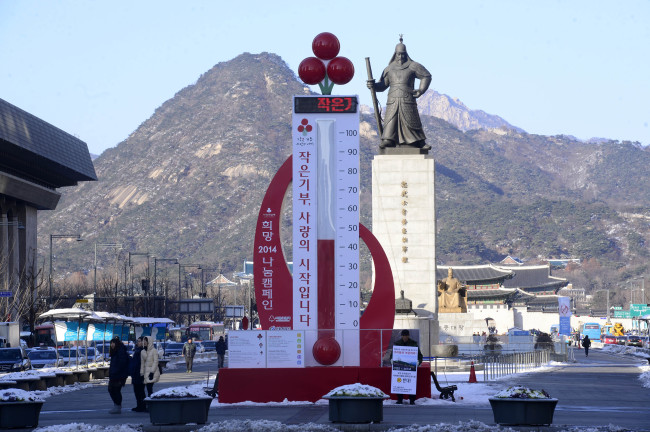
{"x":178,"y":410}
{"x":19,"y":414}
{"x":519,"y":411}
{"x":355,"y":409}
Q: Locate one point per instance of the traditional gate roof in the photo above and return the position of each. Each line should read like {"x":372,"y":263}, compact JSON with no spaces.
{"x":476,"y":275}
{"x":34,"y":150}
{"x":534,"y":279}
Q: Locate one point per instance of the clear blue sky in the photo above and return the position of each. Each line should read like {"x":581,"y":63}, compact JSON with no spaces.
{"x":98,"y":69}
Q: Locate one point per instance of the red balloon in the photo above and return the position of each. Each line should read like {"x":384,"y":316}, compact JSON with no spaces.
{"x":325,"y":46}
{"x":311,"y":70}
{"x":340,"y":70}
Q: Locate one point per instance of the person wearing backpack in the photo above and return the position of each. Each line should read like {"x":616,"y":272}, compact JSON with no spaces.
{"x":586,"y":342}
{"x":149,"y":364}
{"x":118,"y":372}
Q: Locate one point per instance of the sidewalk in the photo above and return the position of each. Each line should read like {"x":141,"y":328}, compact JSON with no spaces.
{"x":602,"y":389}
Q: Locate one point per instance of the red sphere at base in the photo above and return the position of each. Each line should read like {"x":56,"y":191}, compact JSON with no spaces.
{"x":326,"y":351}
{"x":311,"y":70}
{"x":340,"y":70}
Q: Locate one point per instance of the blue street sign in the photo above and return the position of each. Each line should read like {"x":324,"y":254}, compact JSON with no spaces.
{"x":6,"y":294}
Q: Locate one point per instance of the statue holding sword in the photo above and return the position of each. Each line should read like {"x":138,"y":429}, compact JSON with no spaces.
{"x":402,"y":126}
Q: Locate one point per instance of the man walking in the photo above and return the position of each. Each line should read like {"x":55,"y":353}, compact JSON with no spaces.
{"x":189,"y":349}
{"x":136,"y":379}
{"x":586,"y":342}
{"x":221,"y":351}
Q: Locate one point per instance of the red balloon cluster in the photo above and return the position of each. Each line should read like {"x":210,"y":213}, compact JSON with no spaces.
{"x":339,"y":70}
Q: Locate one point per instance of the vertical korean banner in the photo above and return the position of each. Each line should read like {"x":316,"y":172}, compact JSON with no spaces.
{"x":305,"y":233}
{"x":405,"y":370}
{"x":564,"y":309}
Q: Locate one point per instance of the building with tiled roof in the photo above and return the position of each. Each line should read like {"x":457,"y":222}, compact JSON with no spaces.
{"x":36,"y":158}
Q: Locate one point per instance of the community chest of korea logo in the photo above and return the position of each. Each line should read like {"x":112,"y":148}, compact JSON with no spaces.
{"x":273,"y":318}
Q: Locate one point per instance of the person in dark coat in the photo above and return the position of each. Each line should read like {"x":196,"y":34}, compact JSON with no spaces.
{"x":189,"y":349}
{"x":118,"y":372}
{"x":136,"y":379}
{"x":586,"y":342}
{"x":405,"y":340}
{"x":221,"y":351}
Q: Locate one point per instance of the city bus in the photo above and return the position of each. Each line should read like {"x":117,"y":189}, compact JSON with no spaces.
{"x":590,"y":329}
{"x":44,"y":334}
{"x":205,"y":330}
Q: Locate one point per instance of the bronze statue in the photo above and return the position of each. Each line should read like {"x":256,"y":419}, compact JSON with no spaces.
{"x":450,"y":292}
{"x":402,"y":126}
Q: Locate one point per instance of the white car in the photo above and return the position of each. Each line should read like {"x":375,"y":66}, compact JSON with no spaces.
{"x":44,"y":357}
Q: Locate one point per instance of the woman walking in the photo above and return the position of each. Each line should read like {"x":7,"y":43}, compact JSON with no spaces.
{"x":149,"y":366}
{"x":118,"y":371}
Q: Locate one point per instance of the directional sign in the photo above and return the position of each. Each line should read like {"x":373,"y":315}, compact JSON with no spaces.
{"x":6,"y":294}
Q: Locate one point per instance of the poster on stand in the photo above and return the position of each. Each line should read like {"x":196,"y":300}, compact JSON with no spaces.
{"x":405,"y":370}
{"x":247,"y":349}
{"x":285,"y":349}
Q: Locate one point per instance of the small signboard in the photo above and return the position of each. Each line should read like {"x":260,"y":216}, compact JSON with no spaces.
{"x":247,"y":349}
{"x":234,"y":311}
{"x":6,"y":294}
{"x":405,"y":370}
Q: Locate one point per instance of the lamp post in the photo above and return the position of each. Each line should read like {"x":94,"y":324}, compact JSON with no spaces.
{"x":197,"y":266}
{"x":131,"y":273}
{"x":117,"y":247}
{"x":58,"y":236}
{"x":155,"y":269}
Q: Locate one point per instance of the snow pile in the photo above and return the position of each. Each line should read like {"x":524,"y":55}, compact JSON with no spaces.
{"x":192,"y":391}
{"x":645,"y":376}
{"x":17,"y":395}
{"x":469,"y":426}
{"x":356,"y":390}
{"x":83,"y":427}
{"x":265,"y":426}
{"x":518,"y":392}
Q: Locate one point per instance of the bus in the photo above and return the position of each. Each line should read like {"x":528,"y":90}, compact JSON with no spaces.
{"x":205,"y":330}
{"x":591,"y":329}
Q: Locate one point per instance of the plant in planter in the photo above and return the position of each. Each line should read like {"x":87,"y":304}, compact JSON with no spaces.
{"x":19,"y":409}
{"x":179,"y":405}
{"x":356,"y":403}
{"x":523,"y":406}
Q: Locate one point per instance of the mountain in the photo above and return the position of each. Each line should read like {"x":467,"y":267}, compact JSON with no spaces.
{"x":188,"y":182}
{"x":455,"y":112}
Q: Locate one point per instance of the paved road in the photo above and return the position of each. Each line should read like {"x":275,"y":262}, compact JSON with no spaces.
{"x":599,"y":390}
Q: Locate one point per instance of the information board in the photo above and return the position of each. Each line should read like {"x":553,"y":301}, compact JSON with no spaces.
{"x":285,"y":349}
{"x":246,"y":349}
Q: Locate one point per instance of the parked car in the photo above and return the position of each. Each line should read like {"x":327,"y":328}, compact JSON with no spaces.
{"x":634,"y":341}
{"x":44,"y":357}
{"x":14,"y":360}
{"x":609,"y":339}
{"x":174,"y":348}
{"x":621,"y":340}
{"x":209,"y":345}
{"x":69,"y":355}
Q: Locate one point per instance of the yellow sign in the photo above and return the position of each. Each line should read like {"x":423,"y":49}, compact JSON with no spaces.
{"x":82,"y":301}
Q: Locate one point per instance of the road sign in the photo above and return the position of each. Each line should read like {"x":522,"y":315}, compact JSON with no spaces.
{"x":6,"y":294}
{"x":82,"y":301}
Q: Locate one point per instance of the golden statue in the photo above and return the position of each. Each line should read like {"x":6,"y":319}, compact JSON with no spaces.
{"x":451,"y":294}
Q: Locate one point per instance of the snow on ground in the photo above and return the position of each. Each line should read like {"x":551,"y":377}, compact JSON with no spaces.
{"x":84,"y":427}
{"x":645,"y":376}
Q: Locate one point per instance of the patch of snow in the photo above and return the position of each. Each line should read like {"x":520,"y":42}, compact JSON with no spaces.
{"x":357,"y":390}
{"x":192,"y":391}
{"x":83,"y":427}
{"x":18,"y":395}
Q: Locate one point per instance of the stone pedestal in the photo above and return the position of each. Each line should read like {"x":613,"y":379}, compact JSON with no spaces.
{"x":403,"y":220}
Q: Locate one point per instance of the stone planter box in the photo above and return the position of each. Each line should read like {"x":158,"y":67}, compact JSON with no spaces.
{"x":351,"y":409}
{"x":83,"y":375}
{"x":100,"y":373}
{"x":51,"y":380}
{"x":69,"y":378}
{"x":178,"y":410}
{"x":19,"y":414}
{"x":7,"y":385}
{"x":37,"y":384}
{"x":518,"y":411}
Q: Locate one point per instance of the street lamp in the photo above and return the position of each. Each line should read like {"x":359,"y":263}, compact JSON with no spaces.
{"x":197,"y":266}
{"x":117,"y":247}
{"x":155,"y":269}
{"x":59,"y":236}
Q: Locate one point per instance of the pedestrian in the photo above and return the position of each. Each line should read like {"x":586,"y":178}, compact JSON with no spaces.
{"x":405,"y":340}
{"x":189,"y":349}
{"x":149,"y":367}
{"x":586,"y":342}
{"x":118,"y":371}
{"x":136,"y":377}
{"x":221,"y":351}
{"x":483,"y":338}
